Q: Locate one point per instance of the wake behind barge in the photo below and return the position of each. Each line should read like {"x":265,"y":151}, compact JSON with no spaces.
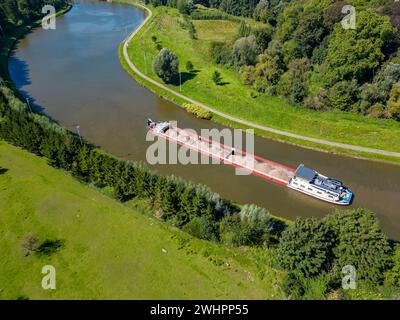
{"x":302,"y":179}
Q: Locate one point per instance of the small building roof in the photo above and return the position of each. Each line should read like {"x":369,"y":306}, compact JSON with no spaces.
{"x":305,"y":173}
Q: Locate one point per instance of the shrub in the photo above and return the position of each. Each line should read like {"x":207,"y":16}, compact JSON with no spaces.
{"x":343,"y":95}
{"x":166,"y":65}
{"x":220,"y":53}
{"x":203,"y":228}
{"x":377,"y":111}
{"x":318,"y":101}
{"x":216,"y":77}
{"x":198,"y":111}
{"x":189,"y":66}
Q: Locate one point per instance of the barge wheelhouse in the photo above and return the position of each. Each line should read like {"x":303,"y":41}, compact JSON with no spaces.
{"x":316,"y":185}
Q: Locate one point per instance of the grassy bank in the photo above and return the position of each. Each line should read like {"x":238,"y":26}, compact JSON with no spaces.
{"x":241,"y":101}
{"x":109,"y":250}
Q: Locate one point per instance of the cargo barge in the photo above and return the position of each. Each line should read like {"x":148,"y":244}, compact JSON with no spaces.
{"x":302,"y":179}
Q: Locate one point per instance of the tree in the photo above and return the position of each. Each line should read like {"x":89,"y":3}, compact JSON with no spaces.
{"x":392,"y":276}
{"x":263,"y":37}
{"x":343,"y":95}
{"x":185,"y":6}
{"x":294,"y":83}
{"x":257,"y":223}
{"x":393,"y":105}
{"x":216,"y":77}
{"x":261,"y":11}
{"x":166,"y":65}
{"x":244,"y":51}
{"x":244,"y":29}
{"x":305,"y":247}
{"x":203,"y":228}
{"x":360,"y":243}
{"x":354,"y":54}
{"x":189,"y":66}
{"x":310,"y":31}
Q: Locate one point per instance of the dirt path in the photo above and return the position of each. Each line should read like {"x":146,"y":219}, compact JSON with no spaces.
{"x":232,"y":118}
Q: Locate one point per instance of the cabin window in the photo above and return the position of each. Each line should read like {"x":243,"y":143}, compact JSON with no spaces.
{"x":319,"y":192}
{"x":302,"y":186}
{"x":310,"y":189}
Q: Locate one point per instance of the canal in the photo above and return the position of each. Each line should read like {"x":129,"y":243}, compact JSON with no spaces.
{"x":73,"y":74}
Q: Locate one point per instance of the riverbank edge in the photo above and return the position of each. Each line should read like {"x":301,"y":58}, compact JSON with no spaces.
{"x":9,"y":42}
{"x":173,"y":96}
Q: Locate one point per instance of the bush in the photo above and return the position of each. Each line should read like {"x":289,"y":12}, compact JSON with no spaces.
{"x":343,"y":95}
{"x":203,"y":228}
{"x":377,"y":111}
{"x":198,"y":111}
{"x":189,"y":66}
{"x":220,"y":53}
{"x":318,"y":101}
{"x":216,"y":77}
{"x":166,"y":66}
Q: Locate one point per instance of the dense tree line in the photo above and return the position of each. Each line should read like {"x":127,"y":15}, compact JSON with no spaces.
{"x":17,"y":12}
{"x":319,"y":249}
{"x":173,"y":199}
{"x":303,"y":45}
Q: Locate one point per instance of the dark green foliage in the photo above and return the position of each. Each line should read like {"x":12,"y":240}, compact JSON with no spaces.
{"x":216,"y":77}
{"x":310,"y":31}
{"x":312,"y":248}
{"x":359,"y":242}
{"x":354,"y":54}
{"x":238,"y":7}
{"x":263,"y":37}
{"x":166,"y":65}
{"x":220,"y":53}
{"x":202,"y":227}
{"x":189,"y":66}
{"x":175,"y":199}
{"x":392,"y":277}
{"x":244,"y":29}
{"x":252,"y":226}
{"x":379,"y":90}
{"x":343,"y":95}
{"x":294,"y":83}
{"x":185,"y":6}
{"x":16,"y":12}
{"x":305,"y":247}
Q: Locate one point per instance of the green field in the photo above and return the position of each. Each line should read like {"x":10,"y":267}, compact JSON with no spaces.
{"x":110,"y":250}
{"x":242,"y":101}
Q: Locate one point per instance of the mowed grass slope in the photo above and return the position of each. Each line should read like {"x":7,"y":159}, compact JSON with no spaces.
{"x":109,"y":250}
{"x":240,"y":100}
